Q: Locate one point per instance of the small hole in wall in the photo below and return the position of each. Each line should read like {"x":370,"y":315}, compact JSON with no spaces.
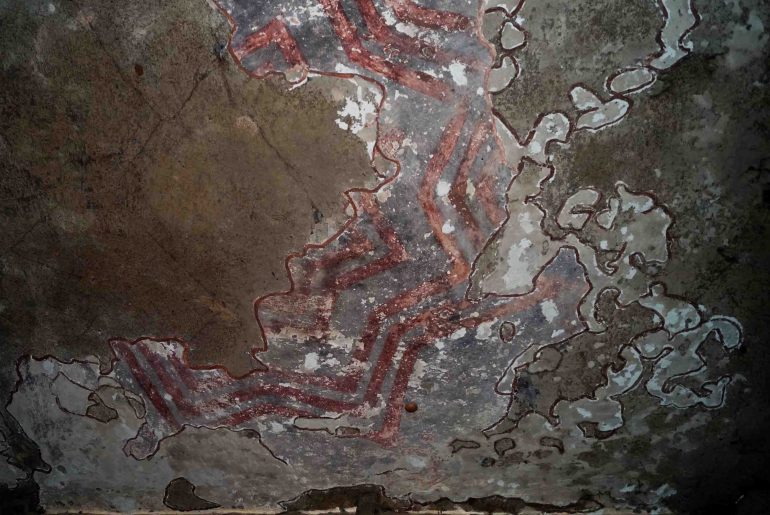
{"x":411,"y":407}
{"x":138,"y":70}
{"x":488,"y":462}
{"x":507,"y":331}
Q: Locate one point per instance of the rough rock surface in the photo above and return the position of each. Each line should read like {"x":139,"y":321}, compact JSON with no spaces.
{"x":385,"y":254}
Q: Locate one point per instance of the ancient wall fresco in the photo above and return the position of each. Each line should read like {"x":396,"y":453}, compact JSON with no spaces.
{"x":477,"y":319}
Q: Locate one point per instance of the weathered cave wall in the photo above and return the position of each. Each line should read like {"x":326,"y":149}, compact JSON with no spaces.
{"x":389,"y":255}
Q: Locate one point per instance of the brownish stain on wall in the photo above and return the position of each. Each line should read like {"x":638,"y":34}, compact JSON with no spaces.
{"x":153,"y":189}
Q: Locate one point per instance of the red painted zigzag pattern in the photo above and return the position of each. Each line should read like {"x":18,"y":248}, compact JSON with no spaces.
{"x":407,"y":256}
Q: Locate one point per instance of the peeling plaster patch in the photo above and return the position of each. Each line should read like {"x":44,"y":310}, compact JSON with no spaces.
{"x":484,"y":330}
{"x":577,"y":209}
{"x":311,"y":361}
{"x":358,"y":114}
{"x":632,"y":80}
{"x":511,"y":37}
{"x":679,"y":357}
{"x":458,"y":73}
{"x":550,"y":310}
{"x":609,"y":113}
{"x":680,"y":20}
{"x":501,"y":76}
{"x":510,"y":6}
{"x":443,"y":188}
{"x":584,"y":99}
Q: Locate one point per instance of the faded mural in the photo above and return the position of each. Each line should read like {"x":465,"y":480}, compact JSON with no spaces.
{"x":506,"y":297}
